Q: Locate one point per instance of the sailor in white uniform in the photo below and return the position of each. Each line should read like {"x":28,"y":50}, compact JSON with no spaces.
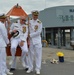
{"x":3,"y":43}
{"x":35,"y":28}
{"x":7,"y":23}
{"x":19,"y":32}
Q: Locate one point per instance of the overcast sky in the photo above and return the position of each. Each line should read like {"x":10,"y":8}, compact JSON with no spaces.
{"x":29,"y":5}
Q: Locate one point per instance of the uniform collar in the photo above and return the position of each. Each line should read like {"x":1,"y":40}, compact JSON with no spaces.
{"x":35,"y":20}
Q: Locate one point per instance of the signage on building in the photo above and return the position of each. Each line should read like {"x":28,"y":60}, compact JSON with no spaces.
{"x":65,"y":18}
{"x":71,"y":10}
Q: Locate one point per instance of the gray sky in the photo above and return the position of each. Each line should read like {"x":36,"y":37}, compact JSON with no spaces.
{"x":29,"y":5}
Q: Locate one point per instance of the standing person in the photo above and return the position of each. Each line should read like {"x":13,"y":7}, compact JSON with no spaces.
{"x":35,"y":28}
{"x":4,"y":41}
{"x":7,"y":23}
{"x":19,"y":32}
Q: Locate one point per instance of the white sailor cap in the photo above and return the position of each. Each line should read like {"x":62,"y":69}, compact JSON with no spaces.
{"x":35,"y":12}
{"x":2,"y":16}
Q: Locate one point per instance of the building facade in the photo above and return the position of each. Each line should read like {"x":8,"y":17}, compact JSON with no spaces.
{"x":58,"y":25}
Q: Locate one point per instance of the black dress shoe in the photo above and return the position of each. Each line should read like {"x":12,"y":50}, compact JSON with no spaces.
{"x":26,"y":69}
{"x":12,"y":69}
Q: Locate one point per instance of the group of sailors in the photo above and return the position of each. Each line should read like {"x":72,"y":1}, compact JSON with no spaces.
{"x":20,"y":32}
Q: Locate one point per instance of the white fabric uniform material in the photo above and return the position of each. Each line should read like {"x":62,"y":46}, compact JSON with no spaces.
{"x":3,"y":43}
{"x":15,"y":42}
{"x":27,"y":61}
{"x":35,"y":28}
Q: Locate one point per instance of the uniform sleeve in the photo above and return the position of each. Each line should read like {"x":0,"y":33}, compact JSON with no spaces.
{"x":4,"y":33}
{"x":38,"y":32}
{"x":25,"y":35}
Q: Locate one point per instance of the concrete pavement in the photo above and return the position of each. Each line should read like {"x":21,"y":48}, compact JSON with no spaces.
{"x":66,"y":68}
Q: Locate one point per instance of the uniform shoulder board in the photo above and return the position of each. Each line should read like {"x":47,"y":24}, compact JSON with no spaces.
{"x":39,"y":21}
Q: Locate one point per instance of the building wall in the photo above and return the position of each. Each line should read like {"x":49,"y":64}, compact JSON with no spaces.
{"x":61,"y":16}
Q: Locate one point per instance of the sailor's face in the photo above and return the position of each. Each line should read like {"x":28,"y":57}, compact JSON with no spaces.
{"x":22,"y":21}
{"x":3,"y":20}
{"x":35,"y":17}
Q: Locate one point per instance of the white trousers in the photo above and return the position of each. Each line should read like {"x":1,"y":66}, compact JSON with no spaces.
{"x":35,"y":51}
{"x":27,"y":61}
{"x":14,"y":43}
{"x":2,"y":61}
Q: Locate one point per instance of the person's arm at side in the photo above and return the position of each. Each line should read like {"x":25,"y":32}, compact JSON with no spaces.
{"x":4,"y":33}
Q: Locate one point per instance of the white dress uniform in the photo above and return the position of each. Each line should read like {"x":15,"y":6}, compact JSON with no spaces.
{"x":3,"y":43}
{"x":22,"y":36}
{"x":35,"y":28}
